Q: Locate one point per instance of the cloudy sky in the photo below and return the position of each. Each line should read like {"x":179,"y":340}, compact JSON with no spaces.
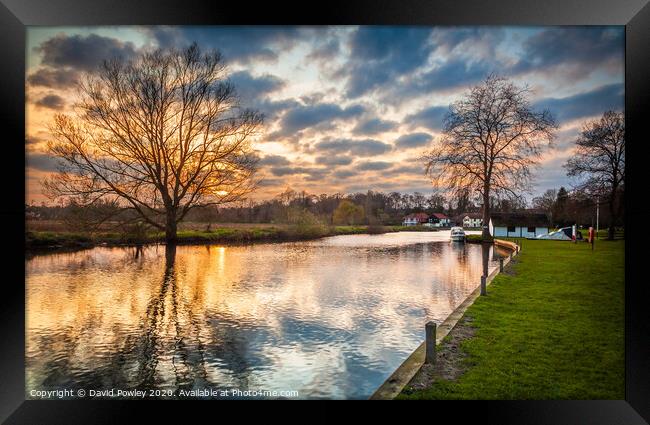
{"x":348,"y":108}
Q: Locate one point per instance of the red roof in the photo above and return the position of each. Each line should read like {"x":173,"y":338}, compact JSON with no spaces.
{"x":421,"y":217}
{"x":439,"y":215}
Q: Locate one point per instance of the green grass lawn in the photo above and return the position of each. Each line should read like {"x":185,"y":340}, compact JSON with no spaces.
{"x":551,"y":328}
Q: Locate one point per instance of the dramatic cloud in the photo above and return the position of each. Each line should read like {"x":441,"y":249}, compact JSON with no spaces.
{"x":344,"y":174}
{"x":475,"y":41}
{"x":270,"y":108}
{"x":464,"y":57}
{"x":32,"y":140}
{"x":51,"y":101}
{"x":271,"y":182}
{"x":333,"y":160}
{"x":52,"y":78}
{"x":586,"y":104}
{"x":250,"y":87}
{"x":374,"y":126}
{"x":325,"y":51}
{"x":344,"y":103}
{"x":83,"y":52}
{"x":236,"y":43}
{"x":285,"y":171}
{"x":554,"y":177}
{"x":366,"y":147}
{"x":585,"y":46}
{"x":41,"y":162}
{"x":431,"y":118}
{"x":373,"y":165}
{"x":308,"y":173}
{"x":379,"y":55}
{"x":254,"y":93}
{"x":450,"y":75}
{"x":445,"y":59}
{"x":413,"y":140}
{"x":274,"y":160}
{"x":304,"y":116}
{"x":417,"y":170}
{"x":317,"y":174}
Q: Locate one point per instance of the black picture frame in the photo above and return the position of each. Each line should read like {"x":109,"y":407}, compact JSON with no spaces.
{"x":15,"y":15}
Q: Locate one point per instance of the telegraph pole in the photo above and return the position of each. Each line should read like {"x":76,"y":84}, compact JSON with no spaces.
{"x":597,"y":214}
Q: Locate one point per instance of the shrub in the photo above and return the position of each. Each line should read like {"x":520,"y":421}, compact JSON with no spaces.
{"x":375,"y":229}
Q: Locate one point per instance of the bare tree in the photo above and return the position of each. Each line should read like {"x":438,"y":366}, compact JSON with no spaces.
{"x":491,"y":140}
{"x":546,"y":202}
{"x":418,"y":200}
{"x":89,"y":217}
{"x":436,"y":202}
{"x":600,"y":157}
{"x":163,"y":133}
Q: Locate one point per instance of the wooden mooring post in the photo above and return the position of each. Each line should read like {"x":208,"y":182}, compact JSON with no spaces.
{"x":430,"y":342}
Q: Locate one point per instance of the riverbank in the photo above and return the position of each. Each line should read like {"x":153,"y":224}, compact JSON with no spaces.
{"x":551,"y":327}
{"x":408,"y":370}
{"x":478,"y":239}
{"x":230,"y":234}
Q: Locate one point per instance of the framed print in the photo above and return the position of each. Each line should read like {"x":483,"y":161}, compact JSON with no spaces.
{"x":372,"y":201}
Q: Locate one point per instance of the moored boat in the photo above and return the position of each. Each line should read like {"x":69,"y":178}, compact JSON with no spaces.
{"x":457,"y":234}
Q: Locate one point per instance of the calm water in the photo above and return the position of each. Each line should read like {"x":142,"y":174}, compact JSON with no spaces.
{"x":328,"y":318}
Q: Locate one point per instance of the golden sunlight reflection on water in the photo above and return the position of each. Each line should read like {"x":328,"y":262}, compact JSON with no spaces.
{"x":330,"y":318}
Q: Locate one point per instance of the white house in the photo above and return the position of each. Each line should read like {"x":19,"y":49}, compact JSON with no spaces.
{"x":472,"y":220}
{"x":439,"y":220}
{"x":518,"y":225}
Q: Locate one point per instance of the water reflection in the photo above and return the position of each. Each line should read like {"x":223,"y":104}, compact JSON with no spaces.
{"x":329,"y":318}
{"x":485,"y":257}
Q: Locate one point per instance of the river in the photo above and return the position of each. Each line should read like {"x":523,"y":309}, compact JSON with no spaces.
{"x":328,"y":318}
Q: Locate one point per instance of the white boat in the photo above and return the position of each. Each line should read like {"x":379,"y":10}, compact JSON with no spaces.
{"x":457,"y":234}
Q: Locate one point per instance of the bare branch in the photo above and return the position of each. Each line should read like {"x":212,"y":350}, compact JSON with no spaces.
{"x":491,"y":141}
{"x":163,"y":133}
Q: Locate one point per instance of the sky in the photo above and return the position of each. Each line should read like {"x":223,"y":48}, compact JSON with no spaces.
{"x":348,"y":108}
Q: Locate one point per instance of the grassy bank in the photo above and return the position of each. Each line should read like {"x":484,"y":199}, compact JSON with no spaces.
{"x":35,"y":240}
{"x":477,"y":239}
{"x":551,"y":327}
{"x":49,"y":240}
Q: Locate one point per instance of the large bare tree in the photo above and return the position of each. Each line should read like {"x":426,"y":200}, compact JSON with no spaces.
{"x":163,"y":133}
{"x":491,"y":139}
{"x":600,"y":157}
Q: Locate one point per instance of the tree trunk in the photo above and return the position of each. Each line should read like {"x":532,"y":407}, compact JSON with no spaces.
{"x":170,"y":258}
{"x":171,"y":227}
{"x":486,"y":215}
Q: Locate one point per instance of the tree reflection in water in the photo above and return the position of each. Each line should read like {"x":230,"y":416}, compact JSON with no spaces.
{"x":253,"y":317}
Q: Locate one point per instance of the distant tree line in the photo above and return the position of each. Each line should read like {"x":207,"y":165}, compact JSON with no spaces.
{"x":288,"y":207}
{"x":562,"y":207}
{"x":565,"y":208}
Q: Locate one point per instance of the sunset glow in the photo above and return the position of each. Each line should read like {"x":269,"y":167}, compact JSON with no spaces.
{"x":347,"y":108}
